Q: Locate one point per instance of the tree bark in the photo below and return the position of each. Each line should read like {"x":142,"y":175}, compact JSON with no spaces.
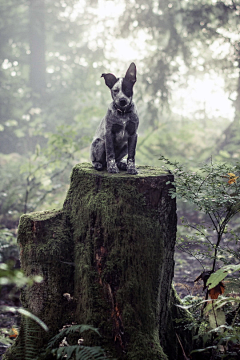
{"x":119,"y":232}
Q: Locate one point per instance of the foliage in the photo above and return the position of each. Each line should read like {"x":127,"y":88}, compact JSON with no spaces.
{"x":26,"y":115}
{"x":74,"y":99}
{"x":78,"y":352}
{"x":220,"y":275}
{"x":51,"y":129}
{"x":40,"y":175}
{"x":11,"y":276}
{"x":14,"y":279}
{"x":26,"y":314}
{"x":8,"y":245}
{"x":217,"y":326}
{"x":215,"y":192}
{"x":29,"y":330}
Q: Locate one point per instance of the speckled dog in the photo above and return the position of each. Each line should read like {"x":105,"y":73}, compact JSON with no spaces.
{"x":116,"y":135}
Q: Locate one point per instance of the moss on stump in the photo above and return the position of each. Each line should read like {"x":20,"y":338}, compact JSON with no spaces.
{"x":119,"y":232}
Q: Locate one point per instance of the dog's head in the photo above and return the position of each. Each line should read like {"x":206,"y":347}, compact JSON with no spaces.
{"x":122,"y":88}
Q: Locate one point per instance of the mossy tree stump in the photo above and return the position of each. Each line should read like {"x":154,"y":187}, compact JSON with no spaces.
{"x":119,"y":232}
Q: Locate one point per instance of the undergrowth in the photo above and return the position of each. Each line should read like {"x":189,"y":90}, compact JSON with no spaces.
{"x":214,"y":191}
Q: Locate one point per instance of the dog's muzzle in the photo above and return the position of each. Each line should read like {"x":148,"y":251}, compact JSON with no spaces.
{"x":122,"y":102}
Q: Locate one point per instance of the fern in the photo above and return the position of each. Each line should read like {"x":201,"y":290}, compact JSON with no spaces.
{"x":80,"y":352}
{"x":70,"y":330}
{"x":28,"y":349}
{"x":27,"y":343}
{"x":76,"y":352}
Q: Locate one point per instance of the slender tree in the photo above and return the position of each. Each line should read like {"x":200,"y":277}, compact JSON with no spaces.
{"x":214,"y":25}
{"x":37,"y":69}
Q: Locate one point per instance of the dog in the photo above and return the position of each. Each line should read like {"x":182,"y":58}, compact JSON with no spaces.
{"x":116,"y":135}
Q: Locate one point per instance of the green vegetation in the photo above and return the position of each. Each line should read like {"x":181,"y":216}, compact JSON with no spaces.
{"x":114,"y":220}
{"x":214,"y":191}
{"x":52,"y":99}
{"x":81,"y":352}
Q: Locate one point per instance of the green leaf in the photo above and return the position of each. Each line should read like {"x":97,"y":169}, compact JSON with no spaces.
{"x":10,"y":123}
{"x":33,"y":317}
{"x":220,"y":274}
{"x":25,"y":313}
{"x":202,"y":350}
{"x":216,"y":319}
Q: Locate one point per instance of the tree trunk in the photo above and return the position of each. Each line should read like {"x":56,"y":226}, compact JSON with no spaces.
{"x":37,"y":46}
{"x":229,"y":140}
{"x":119,"y":231}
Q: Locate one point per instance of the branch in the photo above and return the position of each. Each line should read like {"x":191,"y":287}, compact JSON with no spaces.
{"x":184,"y":354}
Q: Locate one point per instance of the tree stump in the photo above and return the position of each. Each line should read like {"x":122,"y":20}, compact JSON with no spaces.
{"x":111,"y":248}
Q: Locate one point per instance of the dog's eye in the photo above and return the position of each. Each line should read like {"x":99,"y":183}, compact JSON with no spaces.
{"x":116,"y":91}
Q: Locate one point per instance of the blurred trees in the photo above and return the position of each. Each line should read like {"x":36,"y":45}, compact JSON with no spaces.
{"x":162,"y":23}
{"x":37,"y":46}
{"x":45,"y":61}
{"x":48,"y":98}
{"x":217,"y":25}
{"x":52,"y":54}
{"x":188,"y":39}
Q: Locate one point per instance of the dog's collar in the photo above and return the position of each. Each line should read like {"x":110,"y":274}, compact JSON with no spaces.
{"x":125,"y":111}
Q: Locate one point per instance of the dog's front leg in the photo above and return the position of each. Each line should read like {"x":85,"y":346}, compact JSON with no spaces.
{"x":110,"y":153}
{"x":132,"y":142}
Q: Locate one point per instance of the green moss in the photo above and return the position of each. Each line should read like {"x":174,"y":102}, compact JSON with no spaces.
{"x":143,"y":171}
{"x":119,"y":230}
{"x":119,"y":249}
{"x":45,"y":247}
{"x":146,"y":347}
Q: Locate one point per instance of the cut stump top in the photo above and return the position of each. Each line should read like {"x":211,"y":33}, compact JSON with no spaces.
{"x":143,"y":171}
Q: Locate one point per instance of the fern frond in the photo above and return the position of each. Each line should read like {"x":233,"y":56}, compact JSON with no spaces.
{"x":80,"y":352}
{"x":65,"y":332}
{"x":76,"y":352}
{"x":24,"y":312}
{"x":33,"y":317}
{"x":28,"y":349}
{"x":90,"y":353}
{"x":63,"y":351}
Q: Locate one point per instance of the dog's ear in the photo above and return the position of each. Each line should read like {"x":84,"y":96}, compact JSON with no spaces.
{"x":110,"y":80}
{"x":131,"y":73}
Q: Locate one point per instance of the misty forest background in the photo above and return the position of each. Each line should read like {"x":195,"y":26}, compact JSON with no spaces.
{"x":52,"y":54}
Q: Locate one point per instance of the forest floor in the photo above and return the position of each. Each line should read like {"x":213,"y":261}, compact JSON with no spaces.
{"x":183,"y":280}
{"x":187,"y":269}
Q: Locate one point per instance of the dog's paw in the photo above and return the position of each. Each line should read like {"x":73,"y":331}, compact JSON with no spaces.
{"x":131,"y":168}
{"x":122,"y":165}
{"x":132,"y":171}
{"x":112,"y":167}
{"x":98,"y":166}
{"x":113,"y":170}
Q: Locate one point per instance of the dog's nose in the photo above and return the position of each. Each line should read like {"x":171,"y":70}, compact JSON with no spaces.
{"x":122,"y":102}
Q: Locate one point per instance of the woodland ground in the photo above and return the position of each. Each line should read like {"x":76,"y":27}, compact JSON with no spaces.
{"x":187,"y":269}
{"x":183,"y":279}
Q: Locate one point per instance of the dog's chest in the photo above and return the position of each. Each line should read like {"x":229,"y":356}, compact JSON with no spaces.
{"x":120,"y":131}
